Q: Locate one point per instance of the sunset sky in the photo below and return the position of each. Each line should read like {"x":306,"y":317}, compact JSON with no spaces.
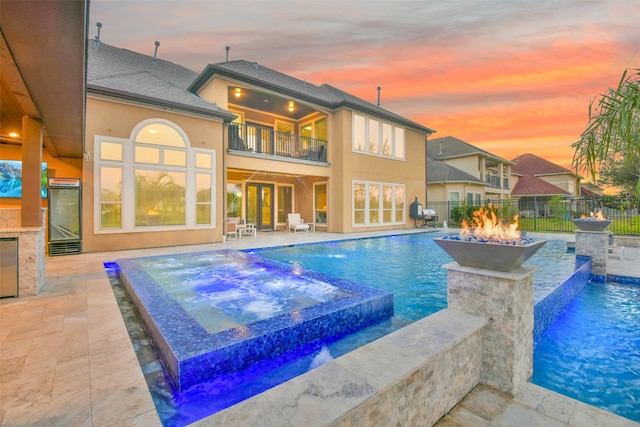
{"x":508,"y":76}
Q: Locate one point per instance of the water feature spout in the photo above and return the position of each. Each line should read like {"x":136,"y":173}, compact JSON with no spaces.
{"x":321,"y":358}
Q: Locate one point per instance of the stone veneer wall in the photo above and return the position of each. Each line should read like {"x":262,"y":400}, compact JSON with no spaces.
{"x":31,"y":251}
{"x":413,"y":376}
{"x":594,"y":244}
{"x":10,"y":218}
{"x":506,"y":300}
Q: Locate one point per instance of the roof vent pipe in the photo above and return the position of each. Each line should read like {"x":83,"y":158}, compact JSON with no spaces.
{"x":227,"y":57}
{"x":379,"y":88}
{"x":155,"y":53}
{"x":96,"y":42}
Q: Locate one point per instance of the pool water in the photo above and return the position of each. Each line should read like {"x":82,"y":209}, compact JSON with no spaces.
{"x":222,"y":290}
{"x":411,"y":266}
{"x":592,"y":352}
{"x":408,"y":265}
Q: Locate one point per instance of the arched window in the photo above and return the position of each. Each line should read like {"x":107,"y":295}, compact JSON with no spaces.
{"x":153,"y":180}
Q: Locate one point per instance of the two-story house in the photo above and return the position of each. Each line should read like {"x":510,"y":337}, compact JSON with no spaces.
{"x":460,"y":172}
{"x":172,"y":154}
{"x":538,"y":180}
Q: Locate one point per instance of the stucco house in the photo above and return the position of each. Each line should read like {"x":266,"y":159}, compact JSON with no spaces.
{"x":168,"y":155}
{"x":460,"y":172}
{"x":537,"y":180}
{"x":237,"y":140}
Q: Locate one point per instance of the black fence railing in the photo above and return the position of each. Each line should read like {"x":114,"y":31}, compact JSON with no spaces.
{"x":554,"y":214}
{"x":266,"y":141}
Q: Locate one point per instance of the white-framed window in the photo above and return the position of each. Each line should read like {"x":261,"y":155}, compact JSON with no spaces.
{"x":376,"y":138}
{"x":377,"y":203}
{"x":153,"y":181}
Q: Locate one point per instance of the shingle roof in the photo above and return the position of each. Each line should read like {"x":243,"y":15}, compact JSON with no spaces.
{"x":130,"y":75}
{"x":449,"y":147}
{"x":529,"y":185}
{"x":438,"y":171}
{"x":324,"y":95}
{"x":530,"y":164}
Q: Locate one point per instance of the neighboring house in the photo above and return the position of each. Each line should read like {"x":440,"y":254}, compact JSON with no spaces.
{"x":172,"y":154}
{"x":536,"y":181}
{"x":459,"y":172}
{"x":590,"y":190}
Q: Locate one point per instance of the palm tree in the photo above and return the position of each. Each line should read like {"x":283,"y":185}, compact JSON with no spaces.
{"x":613,"y":132}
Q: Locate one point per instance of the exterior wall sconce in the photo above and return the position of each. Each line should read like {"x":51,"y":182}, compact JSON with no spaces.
{"x":238,"y":92}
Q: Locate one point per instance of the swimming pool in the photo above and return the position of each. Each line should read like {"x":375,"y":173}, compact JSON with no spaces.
{"x":409,"y":265}
{"x":592,"y":352}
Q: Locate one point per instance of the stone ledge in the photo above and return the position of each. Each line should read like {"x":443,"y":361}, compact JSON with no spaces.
{"x":412,"y":376}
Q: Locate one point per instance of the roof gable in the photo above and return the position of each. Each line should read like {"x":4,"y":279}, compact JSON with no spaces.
{"x":529,"y":185}
{"x":449,"y":147}
{"x":438,"y":171}
{"x":530,"y":164}
{"x":125,"y":74}
{"x":324,"y":95}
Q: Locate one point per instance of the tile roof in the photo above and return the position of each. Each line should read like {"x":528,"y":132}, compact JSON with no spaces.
{"x":530,"y":164}
{"x":449,"y":147}
{"x":584,"y":191}
{"x":438,"y":171}
{"x":324,"y":95}
{"x":529,"y":185}
{"x":130,"y":75}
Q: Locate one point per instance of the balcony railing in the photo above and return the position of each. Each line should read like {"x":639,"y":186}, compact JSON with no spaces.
{"x":266,"y":141}
{"x":494,"y":181}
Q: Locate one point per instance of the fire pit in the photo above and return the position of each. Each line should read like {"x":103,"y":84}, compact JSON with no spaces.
{"x":489,"y":244}
{"x":594,"y":222}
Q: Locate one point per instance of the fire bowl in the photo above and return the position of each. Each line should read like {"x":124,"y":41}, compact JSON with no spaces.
{"x":490,"y":256}
{"x":592,"y":224}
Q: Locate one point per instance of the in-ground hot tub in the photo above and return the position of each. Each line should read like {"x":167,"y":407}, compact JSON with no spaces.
{"x":217,"y":312}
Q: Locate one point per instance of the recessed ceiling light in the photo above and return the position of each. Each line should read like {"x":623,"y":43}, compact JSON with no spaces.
{"x":153,"y":131}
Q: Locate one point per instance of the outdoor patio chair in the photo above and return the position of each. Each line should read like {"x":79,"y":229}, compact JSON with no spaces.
{"x":295,"y":223}
{"x":232,"y":229}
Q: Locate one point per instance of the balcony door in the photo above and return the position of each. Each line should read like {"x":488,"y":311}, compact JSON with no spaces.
{"x":260,"y":211}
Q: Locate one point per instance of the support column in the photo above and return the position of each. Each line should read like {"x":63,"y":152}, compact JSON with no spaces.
{"x":31,"y":215}
{"x":594,"y":244}
{"x":506,"y":300}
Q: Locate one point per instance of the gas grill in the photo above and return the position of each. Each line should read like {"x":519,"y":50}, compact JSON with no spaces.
{"x":422,"y":217}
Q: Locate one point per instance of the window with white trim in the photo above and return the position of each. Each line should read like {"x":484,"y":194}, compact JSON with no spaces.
{"x":377,"y":203}
{"x":370,"y":136}
{"x":153,"y":181}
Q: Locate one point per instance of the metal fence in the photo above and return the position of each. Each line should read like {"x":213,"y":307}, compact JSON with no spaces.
{"x":550,"y":214}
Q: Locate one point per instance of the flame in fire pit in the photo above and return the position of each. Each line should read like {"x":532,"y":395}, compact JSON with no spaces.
{"x":598,"y":216}
{"x":486,"y":226}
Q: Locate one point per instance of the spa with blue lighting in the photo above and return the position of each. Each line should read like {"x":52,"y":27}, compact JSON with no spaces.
{"x":214,"y":313}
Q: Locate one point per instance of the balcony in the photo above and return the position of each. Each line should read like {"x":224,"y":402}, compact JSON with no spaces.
{"x":267,"y":142}
{"x":494,"y":181}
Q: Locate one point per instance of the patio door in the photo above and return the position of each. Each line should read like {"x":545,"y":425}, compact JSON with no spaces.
{"x":260,"y":205}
